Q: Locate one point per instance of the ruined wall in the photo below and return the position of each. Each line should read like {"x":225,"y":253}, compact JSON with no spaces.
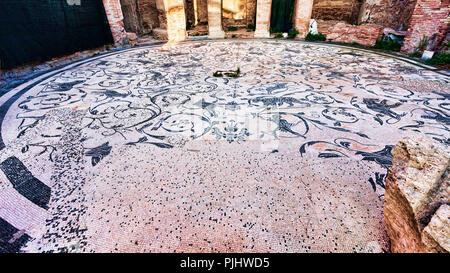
{"x":138,"y":16}
{"x":251,"y":12}
{"x":343,"y":10}
{"x":131,"y":17}
{"x":387,"y":13}
{"x":202,"y":11}
{"x":189,"y":10}
{"x":429,"y":17}
{"x":366,"y":34}
{"x":148,"y":14}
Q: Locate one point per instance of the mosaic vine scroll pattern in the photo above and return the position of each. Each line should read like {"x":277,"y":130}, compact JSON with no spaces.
{"x":332,"y":101}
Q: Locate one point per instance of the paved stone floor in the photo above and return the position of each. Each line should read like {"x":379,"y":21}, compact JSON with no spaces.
{"x":143,"y":150}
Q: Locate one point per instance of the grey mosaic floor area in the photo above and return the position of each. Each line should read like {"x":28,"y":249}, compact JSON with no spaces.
{"x":148,"y":123}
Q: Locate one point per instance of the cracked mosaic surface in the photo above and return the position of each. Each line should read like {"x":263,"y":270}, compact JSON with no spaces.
{"x":144,"y":150}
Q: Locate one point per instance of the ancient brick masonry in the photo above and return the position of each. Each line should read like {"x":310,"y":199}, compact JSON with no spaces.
{"x":363,"y":34}
{"x":113,"y":11}
{"x":429,"y":17}
{"x":302,"y":16}
{"x":395,"y":14}
{"x":343,"y":10}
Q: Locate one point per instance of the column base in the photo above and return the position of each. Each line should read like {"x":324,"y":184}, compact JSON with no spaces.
{"x":262,"y":34}
{"x":216,"y":33}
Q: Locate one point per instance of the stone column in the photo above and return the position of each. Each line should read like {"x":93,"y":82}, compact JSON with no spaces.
{"x":215,"y":19}
{"x":172,"y":20}
{"x":263,"y":9}
{"x":176,"y":20}
{"x":302,"y":16}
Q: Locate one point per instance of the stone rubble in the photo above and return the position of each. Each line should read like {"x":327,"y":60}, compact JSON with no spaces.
{"x":416,"y":209}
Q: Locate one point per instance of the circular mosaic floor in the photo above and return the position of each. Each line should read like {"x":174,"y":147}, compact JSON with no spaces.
{"x":144,"y":150}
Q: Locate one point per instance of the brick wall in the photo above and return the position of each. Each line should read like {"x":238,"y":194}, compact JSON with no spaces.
{"x":395,"y":14}
{"x":344,"y":10}
{"x":115,"y":19}
{"x":362,"y":34}
{"x":323,"y":26}
{"x":429,"y":17}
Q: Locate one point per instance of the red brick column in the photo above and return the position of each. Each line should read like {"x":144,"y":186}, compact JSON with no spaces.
{"x":429,"y":17}
{"x":302,"y":16}
{"x":115,"y":18}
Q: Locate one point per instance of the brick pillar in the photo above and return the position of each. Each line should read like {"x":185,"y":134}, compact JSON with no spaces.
{"x":172,"y":20}
{"x":302,"y":16}
{"x":114,"y":14}
{"x":215,"y":19}
{"x":263,"y":9}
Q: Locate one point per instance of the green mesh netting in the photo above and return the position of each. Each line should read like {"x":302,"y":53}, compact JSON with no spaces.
{"x":281,"y":16}
{"x":37,"y":30}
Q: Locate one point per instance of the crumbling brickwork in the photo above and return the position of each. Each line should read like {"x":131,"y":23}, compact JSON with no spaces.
{"x":362,"y":34}
{"x":430,"y":17}
{"x":345,"y":10}
{"x":395,"y":14}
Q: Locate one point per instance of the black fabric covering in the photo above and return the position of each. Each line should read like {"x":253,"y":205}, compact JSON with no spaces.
{"x":10,"y":240}
{"x":281,"y":15}
{"x":37,"y":30}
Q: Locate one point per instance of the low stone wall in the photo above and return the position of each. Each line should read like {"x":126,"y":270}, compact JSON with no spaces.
{"x":345,"y":33}
{"x":417,"y":205}
{"x":324,"y":25}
